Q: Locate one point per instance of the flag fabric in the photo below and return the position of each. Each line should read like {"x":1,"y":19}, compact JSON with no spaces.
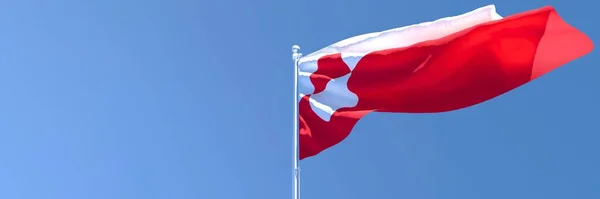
{"x":444,"y":65}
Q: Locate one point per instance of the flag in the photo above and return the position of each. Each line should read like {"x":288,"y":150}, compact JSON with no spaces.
{"x":444,"y":65}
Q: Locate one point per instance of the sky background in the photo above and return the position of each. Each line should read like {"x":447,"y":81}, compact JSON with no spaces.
{"x":182,"y":99}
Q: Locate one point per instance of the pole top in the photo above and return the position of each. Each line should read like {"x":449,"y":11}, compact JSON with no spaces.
{"x":295,"y":52}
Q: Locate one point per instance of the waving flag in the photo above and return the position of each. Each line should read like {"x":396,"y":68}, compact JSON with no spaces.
{"x":438,"y":66}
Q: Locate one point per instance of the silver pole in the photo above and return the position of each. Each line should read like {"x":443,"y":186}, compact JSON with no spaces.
{"x":296,"y":56}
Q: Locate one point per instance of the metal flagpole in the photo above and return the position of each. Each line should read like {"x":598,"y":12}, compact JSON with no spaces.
{"x":296,"y":56}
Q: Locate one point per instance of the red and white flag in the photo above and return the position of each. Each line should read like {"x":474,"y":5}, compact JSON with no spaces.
{"x":438,"y":66}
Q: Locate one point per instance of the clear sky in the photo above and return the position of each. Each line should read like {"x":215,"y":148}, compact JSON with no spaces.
{"x":192,"y":99}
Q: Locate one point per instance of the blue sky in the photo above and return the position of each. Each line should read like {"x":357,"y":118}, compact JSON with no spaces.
{"x":193,"y":99}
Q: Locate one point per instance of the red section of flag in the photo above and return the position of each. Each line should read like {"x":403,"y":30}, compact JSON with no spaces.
{"x":335,"y":68}
{"x":454,"y":72}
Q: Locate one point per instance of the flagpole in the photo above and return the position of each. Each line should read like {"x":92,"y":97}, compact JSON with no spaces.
{"x":296,"y":56}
